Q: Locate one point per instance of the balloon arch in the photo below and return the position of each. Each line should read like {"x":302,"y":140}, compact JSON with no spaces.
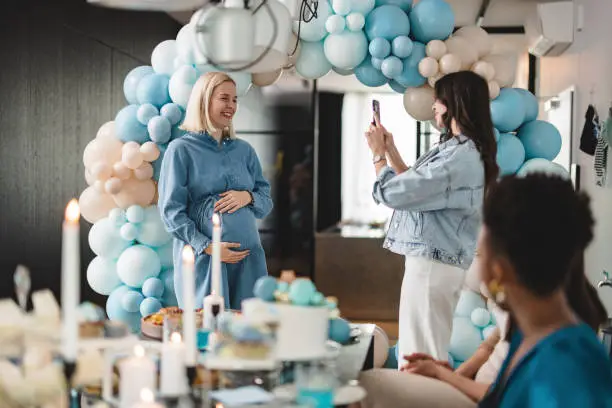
{"x":382,"y":42}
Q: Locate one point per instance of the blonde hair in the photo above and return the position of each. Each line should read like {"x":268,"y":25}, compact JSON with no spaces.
{"x":197,"y":116}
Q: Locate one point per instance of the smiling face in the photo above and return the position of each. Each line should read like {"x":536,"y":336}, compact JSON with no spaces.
{"x":223,"y":104}
{"x":439,"y":110}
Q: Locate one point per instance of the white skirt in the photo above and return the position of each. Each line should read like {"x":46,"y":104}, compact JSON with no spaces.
{"x":430,"y":292}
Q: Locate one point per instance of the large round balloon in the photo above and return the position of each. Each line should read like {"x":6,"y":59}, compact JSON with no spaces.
{"x":531,"y":104}
{"x":410,"y":76}
{"x":95,"y":205}
{"x":477,"y":37}
{"x":130,"y":84}
{"x":153,"y":89}
{"x":312,"y":63}
{"x":543,"y":166}
{"x":163,"y":57}
{"x":505,"y":68}
{"x":508,"y":110}
{"x":347,"y":49}
{"x":102,"y":275}
{"x":315,"y":29}
{"x":368,"y":75}
{"x":115,"y":310}
{"x":105,"y":240}
{"x":432,"y":20}
{"x":510,"y":154}
{"x":541,"y":140}
{"x":128,"y":127}
{"x":418,"y":102}
{"x":137,"y":264}
{"x":388,"y":22}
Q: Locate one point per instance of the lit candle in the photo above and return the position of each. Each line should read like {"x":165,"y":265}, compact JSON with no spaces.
{"x":173,"y":376}
{"x":216,"y":256}
{"x":136,"y":373}
{"x":147,"y":400}
{"x":189,"y":317}
{"x":71,"y":280}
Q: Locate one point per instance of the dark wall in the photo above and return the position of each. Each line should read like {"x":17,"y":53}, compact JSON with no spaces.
{"x":61,"y":78}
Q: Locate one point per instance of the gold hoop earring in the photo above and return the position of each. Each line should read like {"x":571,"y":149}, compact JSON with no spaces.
{"x":497,"y":291}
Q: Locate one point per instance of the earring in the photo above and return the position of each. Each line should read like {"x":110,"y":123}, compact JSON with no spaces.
{"x":497,"y":291}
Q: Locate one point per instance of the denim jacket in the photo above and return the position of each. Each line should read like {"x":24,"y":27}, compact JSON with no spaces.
{"x":437,"y":203}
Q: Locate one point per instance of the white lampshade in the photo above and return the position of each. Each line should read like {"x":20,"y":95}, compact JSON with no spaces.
{"x":264,"y":29}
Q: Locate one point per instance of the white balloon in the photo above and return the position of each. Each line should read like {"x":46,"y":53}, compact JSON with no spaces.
{"x":484,"y":69}
{"x":450,"y":63}
{"x":462,"y":48}
{"x":418,"y":102}
{"x":428,"y":67}
{"x":493,"y":89}
{"x":436,"y":49}
{"x":355,"y":21}
{"x":477,"y":38}
{"x":162,"y":58}
{"x":335,"y":24}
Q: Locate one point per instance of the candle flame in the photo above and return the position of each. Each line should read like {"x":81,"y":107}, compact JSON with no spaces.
{"x":216,"y":220}
{"x":176,"y":337}
{"x":188,"y":256}
{"x":146,"y":395}
{"x":219,"y":405}
{"x":139,"y":351}
{"x":73,"y":212}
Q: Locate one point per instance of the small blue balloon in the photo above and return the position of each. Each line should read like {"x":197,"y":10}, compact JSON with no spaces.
{"x":301,"y":291}
{"x":388,"y":22}
{"x":368,"y":75}
{"x":172,"y":112}
{"x":432,"y":20}
{"x":541,"y":140}
{"x":510,"y":154}
{"x":508,"y":110}
{"x":531,"y":104}
{"x":153,"y":287}
{"x":160,"y":129}
{"x":379,"y":48}
{"x":265,"y":287}
{"x":115,"y":310}
{"x":128,"y":127}
{"x":133,"y":78}
{"x":137,"y":264}
{"x":377,"y":63}
{"x":402,"y":46}
{"x":543,"y":166}
{"x":150,"y":306}
{"x":135,"y":214}
{"x":317,"y":299}
{"x":397,"y":87}
{"x":392,"y":67}
{"x":410,"y":76}
{"x":480,"y":317}
{"x":131,"y":301}
{"x":339,"y":331}
{"x":146,"y":112}
{"x":153,"y":89}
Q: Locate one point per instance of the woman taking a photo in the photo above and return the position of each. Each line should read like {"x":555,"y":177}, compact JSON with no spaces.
{"x":437,"y":207}
{"x":209,"y":171}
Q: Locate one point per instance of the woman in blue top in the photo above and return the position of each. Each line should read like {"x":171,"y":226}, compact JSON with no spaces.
{"x":437,"y":207}
{"x":535,"y":229}
{"x":207,"y":171}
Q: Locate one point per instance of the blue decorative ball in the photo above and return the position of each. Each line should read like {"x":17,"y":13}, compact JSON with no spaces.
{"x":146,"y":112}
{"x":128,"y":232}
{"x":402,"y":46}
{"x":301,"y":291}
{"x":379,"y":48}
{"x":397,"y":87}
{"x":160,"y":129}
{"x":149,"y":306}
{"x":115,"y":310}
{"x":265,"y":287}
{"x":465,"y":339}
{"x":153,"y":287}
{"x":368,"y":75}
{"x":508,"y":110}
{"x":172,"y":112}
{"x":339,"y":330}
{"x":128,"y":128}
{"x":388,"y":22}
{"x":480,"y":317}
{"x":410,"y":75}
{"x":131,"y":301}
{"x":130,"y":84}
{"x":153,"y":89}
{"x":510,"y":154}
{"x":541,"y":140}
{"x":391,"y":67}
{"x":432,"y":20}
{"x":531,"y":104}
{"x":543,"y":166}
{"x":468,"y":301}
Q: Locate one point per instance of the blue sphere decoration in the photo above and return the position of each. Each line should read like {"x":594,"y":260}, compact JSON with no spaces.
{"x":480,"y":317}
{"x":146,"y":112}
{"x":115,"y":310}
{"x":468,"y":301}
{"x":368,"y":75}
{"x":301,"y":291}
{"x":136,"y":264}
{"x":388,"y":22}
{"x":465,"y":339}
{"x":135,"y":214}
{"x":131,"y":301}
{"x":401,"y":46}
{"x":397,"y":87}
{"x":541,"y":140}
{"x":432,"y":20}
{"x":410,"y":76}
{"x":153,"y":89}
{"x":347,"y":49}
{"x":379,"y":48}
{"x":130,"y":84}
{"x":510,"y":154}
{"x":339,"y":330}
{"x":543,"y":166}
{"x":391,"y":67}
{"x":508,"y":110}
{"x":105,"y":240}
{"x":127,"y":126}
{"x":377,"y":63}
{"x":531,"y":104}
{"x":172,"y":112}
{"x":312,"y":62}
{"x":160,"y":129}
{"x":317,"y":299}
{"x":153,"y":287}
{"x":403,"y":4}
{"x":149,"y":306}
{"x":265,"y":287}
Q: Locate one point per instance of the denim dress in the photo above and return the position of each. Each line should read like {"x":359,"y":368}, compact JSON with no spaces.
{"x":195,"y":170}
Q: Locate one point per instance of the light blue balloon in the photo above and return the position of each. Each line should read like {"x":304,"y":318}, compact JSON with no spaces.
{"x":347,"y":49}
{"x":146,"y":112}
{"x":128,"y":127}
{"x":128,"y":232}
{"x":468,"y":301}
{"x":379,"y":48}
{"x":115,"y":310}
{"x":131,"y":301}
{"x":169,"y":297}
{"x":362,"y":6}
{"x":172,"y":112}
{"x":105,"y":240}
{"x":312,"y":63}
{"x":403,"y":4}
{"x":541,"y":140}
{"x":133,"y":78}
{"x":265,"y":287}
{"x":152,"y":231}
{"x":135,"y":214}
{"x":160,"y":129}
{"x":153,"y":287}
{"x":387,"y":22}
{"x":392,"y":67}
{"x":301,"y":291}
{"x":317,"y":299}
{"x":314,"y":30}
{"x":102,"y":275}
{"x":410,"y":76}
{"x":165,"y":255}
{"x":432,"y":20}
{"x":531,"y":104}
{"x":480,"y":317}
{"x":117,"y":216}
{"x":465,"y":339}
{"x":402,"y":46}
{"x":396,"y":87}
{"x":510,"y":154}
{"x":543,"y":166}
{"x":339,"y":330}
{"x":243,"y":80}
{"x":181,"y":84}
{"x":136,"y":264}
{"x":496,"y":134}
{"x":377,"y":63}
{"x":508,"y":110}
{"x":368,"y":75}
{"x":150,"y":306}
{"x":153,"y":89}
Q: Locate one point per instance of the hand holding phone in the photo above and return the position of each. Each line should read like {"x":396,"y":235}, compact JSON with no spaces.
{"x":375,"y":111}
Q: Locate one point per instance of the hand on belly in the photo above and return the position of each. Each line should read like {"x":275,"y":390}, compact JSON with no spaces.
{"x":229,"y":254}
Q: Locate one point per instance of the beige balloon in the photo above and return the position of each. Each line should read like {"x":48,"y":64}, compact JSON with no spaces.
{"x":95,"y":205}
{"x":107,"y":131}
{"x":381,"y":347}
{"x":121,"y":171}
{"x":505,"y":68}
{"x":450,"y":63}
{"x":113,"y":185}
{"x":432,"y":80}
{"x":484,"y":69}
{"x":493,"y":89}
{"x":144,"y":171}
{"x":135,"y":192}
{"x":89,"y":178}
{"x":150,"y":151}
{"x":462,"y":48}
{"x":267,"y":78}
{"x":293,"y":51}
{"x":435,"y":49}
{"x":106,"y":150}
{"x":132,"y":158}
{"x":418,"y":102}
{"x":477,"y":38}
{"x":428,"y":67}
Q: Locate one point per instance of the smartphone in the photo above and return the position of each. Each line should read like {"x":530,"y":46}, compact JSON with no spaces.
{"x":375,"y":111}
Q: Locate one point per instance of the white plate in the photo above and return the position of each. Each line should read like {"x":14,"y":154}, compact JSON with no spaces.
{"x":347,"y":394}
